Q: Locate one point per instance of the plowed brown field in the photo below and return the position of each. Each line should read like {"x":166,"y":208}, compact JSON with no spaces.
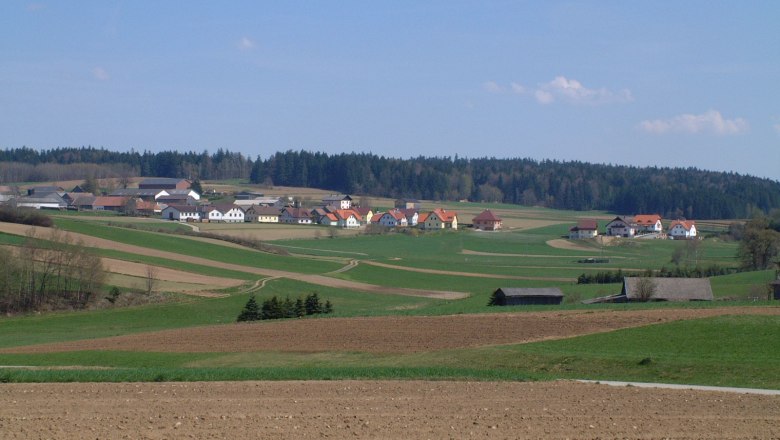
{"x":378,"y":409}
{"x":387,"y":334}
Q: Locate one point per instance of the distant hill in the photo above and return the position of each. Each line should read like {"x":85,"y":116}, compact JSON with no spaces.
{"x":671,"y":192}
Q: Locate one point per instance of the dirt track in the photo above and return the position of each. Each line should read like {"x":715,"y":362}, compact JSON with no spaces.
{"x":386,"y":334}
{"x":320,"y":280}
{"x":378,"y":409}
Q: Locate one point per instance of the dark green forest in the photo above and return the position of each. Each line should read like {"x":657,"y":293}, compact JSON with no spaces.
{"x":671,"y":192}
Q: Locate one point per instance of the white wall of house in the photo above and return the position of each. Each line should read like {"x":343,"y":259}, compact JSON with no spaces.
{"x":679,"y":231}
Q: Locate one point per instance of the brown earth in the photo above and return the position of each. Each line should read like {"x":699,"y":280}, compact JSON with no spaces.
{"x":12,"y":228}
{"x":166,"y":274}
{"x":560,"y":243}
{"x":379,"y":409}
{"x":387,"y":334}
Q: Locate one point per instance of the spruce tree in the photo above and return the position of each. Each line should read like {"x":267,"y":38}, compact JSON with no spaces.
{"x":251,"y":311}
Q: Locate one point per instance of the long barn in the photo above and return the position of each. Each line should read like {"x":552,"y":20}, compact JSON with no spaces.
{"x":511,"y":296}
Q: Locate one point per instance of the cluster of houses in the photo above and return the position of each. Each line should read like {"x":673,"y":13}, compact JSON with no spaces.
{"x":335,"y":210}
{"x":637,"y":226}
{"x":148,"y":199}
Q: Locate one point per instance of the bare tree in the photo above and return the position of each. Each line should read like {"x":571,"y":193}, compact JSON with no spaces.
{"x":645,"y":289}
{"x":151,"y":278}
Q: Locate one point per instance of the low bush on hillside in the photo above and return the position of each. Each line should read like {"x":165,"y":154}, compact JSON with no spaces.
{"x":25,"y":216}
{"x":274,"y":308}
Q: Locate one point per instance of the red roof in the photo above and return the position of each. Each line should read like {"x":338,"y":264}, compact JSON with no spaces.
{"x":586,"y":225}
{"x":687,"y":224}
{"x":396,"y":214}
{"x":422,"y":217}
{"x":345,"y":213}
{"x":110,"y":201}
{"x":297,"y":212}
{"x":444,"y":215}
{"x":363,"y":211}
{"x":486,"y":216}
{"x":646,"y":219}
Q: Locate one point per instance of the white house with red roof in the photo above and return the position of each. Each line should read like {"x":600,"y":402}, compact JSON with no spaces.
{"x":682,"y":230}
{"x":584,"y":229}
{"x":487,"y":221}
{"x":182,"y":213}
{"x":648,"y":223}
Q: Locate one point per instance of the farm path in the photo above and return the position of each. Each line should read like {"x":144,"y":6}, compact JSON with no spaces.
{"x":389,"y":334}
{"x":379,"y":409}
{"x":493,"y":254}
{"x":319,"y":280}
{"x":466,"y":274}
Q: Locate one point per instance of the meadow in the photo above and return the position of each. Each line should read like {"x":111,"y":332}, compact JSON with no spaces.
{"x":735,"y":351}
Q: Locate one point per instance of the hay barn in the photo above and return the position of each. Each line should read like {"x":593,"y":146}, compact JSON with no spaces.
{"x":666,"y":289}
{"x":507,"y":296}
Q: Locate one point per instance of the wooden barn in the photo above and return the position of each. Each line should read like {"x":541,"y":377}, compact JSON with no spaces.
{"x":664,"y":289}
{"x":510,"y":296}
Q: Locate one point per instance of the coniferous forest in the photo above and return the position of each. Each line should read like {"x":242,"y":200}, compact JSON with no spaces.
{"x":670,"y":192}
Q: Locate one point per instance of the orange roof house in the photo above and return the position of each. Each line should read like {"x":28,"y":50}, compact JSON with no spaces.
{"x":487,"y":221}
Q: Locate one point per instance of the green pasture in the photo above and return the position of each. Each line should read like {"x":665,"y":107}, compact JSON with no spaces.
{"x":188,"y":246}
{"x":740,"y":351}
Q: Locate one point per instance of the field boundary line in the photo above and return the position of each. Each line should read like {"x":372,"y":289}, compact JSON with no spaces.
{"x":675,"y":386}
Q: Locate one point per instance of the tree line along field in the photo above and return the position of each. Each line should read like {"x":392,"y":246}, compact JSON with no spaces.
{"x":472,"y":262}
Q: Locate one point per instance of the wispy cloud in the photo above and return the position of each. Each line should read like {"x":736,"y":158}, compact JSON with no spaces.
{"x":571,"y":90}
{"x":492,"y":87}
{"x":35,"y":7}
{"x":563,"y":89}
{"x":246,"y":43}
{"x":100,"y":74}
{"x":710,"y":121}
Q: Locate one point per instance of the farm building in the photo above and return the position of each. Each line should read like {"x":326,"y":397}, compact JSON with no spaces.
{"x":164,"y":183}
{"x":775,"y":285}
{"x":510,"y":296}
{"x":340,"y":201}
{"x":487,"y":221}
{"x":665,"y":289}
{"x":648,"y":223}
{"x":621,"y":226}
{"x":682,"y":230}
{"x":584,"y":229}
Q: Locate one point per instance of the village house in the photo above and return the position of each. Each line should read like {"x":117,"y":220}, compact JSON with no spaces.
{"x":262,"y":214}
{"x":584,"y":229}
{"x":487,"y":221}
{"x":109,"y":203}
{"x":340,"y":201}
{"x":365,"y":213}
{"x":412,"y":216}
{"x":621,"y":226}
{"x":648,"y":223}
{"x":224,"y":214}
{"x":408,"y":204}
{"x":440,"y":219}
{"x":347,"y":218}
{"x":181,"y":213}
{"x":682,"y":230}
{"x":164,"y":183}
{"x":299,"y":216}
{"x":393,"y":218}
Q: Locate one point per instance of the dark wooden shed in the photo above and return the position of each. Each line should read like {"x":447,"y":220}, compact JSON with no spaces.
{"x":775,"y":289}
{"x":665,"y":289}
{"x":509,"y":296}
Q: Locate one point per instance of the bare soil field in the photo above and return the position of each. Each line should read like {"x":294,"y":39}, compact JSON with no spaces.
{"x":560,"y":243}
{"x":379,"y":409}
{"x":387,"y":334}
{"x":166,"y":274}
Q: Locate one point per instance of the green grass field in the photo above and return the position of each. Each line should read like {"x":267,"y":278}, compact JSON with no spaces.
{"x":733,"y":351}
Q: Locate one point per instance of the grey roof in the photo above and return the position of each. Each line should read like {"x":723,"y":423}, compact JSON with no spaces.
{"x":175,"y":192}
{"x":530,"y":291}
{"x":160,"y":181}
{"x":264,"y":210}
{"x":137,"y":192}
{"x":672,"y":289}
{"x":336,"y":198}
{"x":47,"y":199}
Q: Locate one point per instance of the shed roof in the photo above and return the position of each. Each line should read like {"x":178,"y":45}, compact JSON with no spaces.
{"x":487,"y":216}
{"x":586,"y":225}
{"x":671,"y":289}
{"x":530,"y":291}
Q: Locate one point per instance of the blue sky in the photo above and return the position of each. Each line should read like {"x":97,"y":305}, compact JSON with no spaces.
{"x":667,"y":83}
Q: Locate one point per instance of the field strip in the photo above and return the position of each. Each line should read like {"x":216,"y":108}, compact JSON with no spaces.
{"x":561,"y":243}
{"x":466,"y":274}
{"x":493,"y":254}
{"x":319,"y":250}
{"x":379,"y":409}
{"x":321,"y":280}
{"x":351,"y":265}
{"x":165,"y":274}
{"x":675,"y":386}
{"x":388,"y":334}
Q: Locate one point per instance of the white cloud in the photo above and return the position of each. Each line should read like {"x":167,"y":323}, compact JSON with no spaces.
{"x":246,"y":43}
{"x":571,"y":90}
{"x":710,"y":121}
{"x":517,"y":88}
{"x":492,"y":87}
{"x":100,"y":74}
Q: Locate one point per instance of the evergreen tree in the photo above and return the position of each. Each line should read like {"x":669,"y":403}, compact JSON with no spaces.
{"x":312,"y":304}
{"x":300,"y":308}
{"x":250,"y":312}
{"x":328,"y":307}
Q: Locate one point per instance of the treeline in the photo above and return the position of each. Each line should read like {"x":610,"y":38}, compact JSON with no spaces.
{"x":616,"y":276}
{"x":51,"y":272}
{"x":670,"y":192}
{"x":275,"y":308}
{"x":29,"y":165}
